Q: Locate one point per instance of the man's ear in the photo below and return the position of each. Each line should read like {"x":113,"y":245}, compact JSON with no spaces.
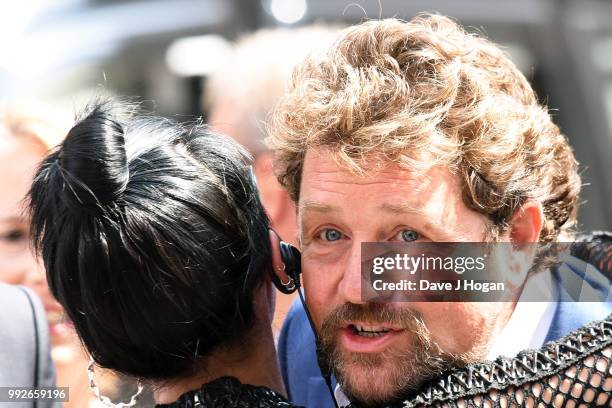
{"x":526,"y":224}
{"x":277,"y":260}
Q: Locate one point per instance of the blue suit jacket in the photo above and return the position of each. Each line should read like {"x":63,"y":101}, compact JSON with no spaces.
{"x":296,"y":348}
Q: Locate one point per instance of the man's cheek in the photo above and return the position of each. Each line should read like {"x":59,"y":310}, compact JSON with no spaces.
{"x":319,"y":294}
{"x":320,"y":276}
{"x":325,"y":256}
{"x":461,"y":325}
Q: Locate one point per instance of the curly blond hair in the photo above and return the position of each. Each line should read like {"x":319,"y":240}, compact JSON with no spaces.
{"x":426,"y":93}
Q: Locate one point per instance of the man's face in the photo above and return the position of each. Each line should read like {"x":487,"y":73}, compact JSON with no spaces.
{"x":378,"y":351}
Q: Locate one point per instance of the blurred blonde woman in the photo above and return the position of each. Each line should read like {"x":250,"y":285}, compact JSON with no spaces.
{"x":24,"y":141}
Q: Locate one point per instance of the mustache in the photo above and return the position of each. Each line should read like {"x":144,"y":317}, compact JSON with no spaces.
{"x":376,"y":313}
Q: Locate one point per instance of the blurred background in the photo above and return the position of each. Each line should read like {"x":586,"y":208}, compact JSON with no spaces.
{"x":56,"y":51}
{"x":180,"y":57}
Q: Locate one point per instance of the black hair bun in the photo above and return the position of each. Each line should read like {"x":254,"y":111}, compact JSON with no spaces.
{"x":158,"y":275}
{"x":93,"y":158}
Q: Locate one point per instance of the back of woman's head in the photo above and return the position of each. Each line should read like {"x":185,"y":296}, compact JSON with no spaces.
{"x":153,"y":237}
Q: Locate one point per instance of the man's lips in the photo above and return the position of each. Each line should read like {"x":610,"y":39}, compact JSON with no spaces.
{"x":365,"y":337}
{"x":370,"y":326}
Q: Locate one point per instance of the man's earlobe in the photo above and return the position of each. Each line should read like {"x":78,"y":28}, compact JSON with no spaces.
{"x":526,"y":223}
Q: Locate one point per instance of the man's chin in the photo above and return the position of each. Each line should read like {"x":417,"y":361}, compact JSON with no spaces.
{"x":370,"y":383}
{"x":373,"y":372}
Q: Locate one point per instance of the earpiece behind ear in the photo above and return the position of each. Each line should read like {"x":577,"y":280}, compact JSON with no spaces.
{"x":292,"y":259}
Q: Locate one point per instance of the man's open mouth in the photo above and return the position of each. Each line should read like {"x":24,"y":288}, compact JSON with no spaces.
{"x":369,"y":331}
{"x":365,"y":337}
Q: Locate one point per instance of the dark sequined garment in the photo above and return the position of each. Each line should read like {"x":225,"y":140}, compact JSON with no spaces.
{"x":226,"y":392}
{"x":596,"y":249}
{"x":574,"y":371}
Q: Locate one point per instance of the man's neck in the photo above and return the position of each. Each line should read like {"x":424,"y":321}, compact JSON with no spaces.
{"x":253,"y":362}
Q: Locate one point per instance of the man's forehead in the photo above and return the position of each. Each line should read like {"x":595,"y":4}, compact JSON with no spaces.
{"x":434,"y":196}
{"x":320,"y":165}
{"x":328,"y":187}
{"x":321,"y":170}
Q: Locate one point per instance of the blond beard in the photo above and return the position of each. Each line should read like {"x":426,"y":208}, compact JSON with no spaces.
{"x":375,"y":379}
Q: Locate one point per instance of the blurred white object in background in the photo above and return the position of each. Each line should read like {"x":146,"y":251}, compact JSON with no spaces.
{"x":199,"y":55}
{"x":288,"y":11}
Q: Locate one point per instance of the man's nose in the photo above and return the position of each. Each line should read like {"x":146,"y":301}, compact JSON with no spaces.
{"x":350,"y":286}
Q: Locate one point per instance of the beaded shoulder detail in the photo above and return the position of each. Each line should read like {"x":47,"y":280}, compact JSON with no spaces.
{"x":229,"y":392}
{"x":576,"y":367}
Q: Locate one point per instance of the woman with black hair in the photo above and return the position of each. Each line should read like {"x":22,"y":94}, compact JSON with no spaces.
{"x":155,"y":242}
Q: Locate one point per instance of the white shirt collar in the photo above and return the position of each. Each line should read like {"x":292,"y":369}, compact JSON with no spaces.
{"x":341,"y":399}
{"x":530,"y":321}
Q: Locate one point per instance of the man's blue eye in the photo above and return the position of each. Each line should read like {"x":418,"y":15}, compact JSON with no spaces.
{"x":332,"y":235}
{"x":410,"y":235}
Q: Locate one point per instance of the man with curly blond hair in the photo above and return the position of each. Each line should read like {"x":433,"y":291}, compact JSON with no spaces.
{"x":407,"y":132}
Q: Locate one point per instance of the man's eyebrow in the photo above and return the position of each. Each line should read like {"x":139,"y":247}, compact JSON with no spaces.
{"x":403,"y":208}
{"x":315,"y":206}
